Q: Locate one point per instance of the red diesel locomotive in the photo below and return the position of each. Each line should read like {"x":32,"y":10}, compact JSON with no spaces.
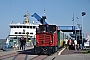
{"x":47,"y":39}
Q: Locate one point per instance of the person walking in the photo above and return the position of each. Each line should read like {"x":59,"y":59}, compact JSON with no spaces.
{"x":75,"y":42}
{"x":66,"y":43}
{"x":70,"y":43}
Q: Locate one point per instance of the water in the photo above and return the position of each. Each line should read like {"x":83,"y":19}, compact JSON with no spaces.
{"x":2,"y":43}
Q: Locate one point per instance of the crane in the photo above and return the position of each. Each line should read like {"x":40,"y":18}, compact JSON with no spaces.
{"x":41,"y":20}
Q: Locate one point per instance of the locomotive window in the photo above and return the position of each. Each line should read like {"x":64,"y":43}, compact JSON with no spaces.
{"x":51,"y":29}
{"x":42,"y":28}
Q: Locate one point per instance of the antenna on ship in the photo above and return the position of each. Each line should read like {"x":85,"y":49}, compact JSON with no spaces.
{"x":43,"y":17}
{"x":26,"y":20}
{"x":44,"y":11}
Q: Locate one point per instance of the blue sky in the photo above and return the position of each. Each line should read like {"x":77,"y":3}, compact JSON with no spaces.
{"x":59,"y":12}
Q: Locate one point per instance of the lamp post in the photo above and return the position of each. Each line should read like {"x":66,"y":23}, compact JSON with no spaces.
{"x":79,"y":30}
{"x":83,"y":13}
{"x":74,"y":28}
{"x":78,"y":25}
{"x":73,"y":23}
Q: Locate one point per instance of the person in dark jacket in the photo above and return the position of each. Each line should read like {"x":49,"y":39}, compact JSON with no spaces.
{"x":23,"y":43}
{"x":70,"y":43}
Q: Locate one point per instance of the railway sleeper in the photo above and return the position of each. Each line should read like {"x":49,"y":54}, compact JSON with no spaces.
{"x":45,"y":49}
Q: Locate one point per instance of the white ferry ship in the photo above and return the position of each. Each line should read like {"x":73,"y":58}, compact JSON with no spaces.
{"x":25,"y":29}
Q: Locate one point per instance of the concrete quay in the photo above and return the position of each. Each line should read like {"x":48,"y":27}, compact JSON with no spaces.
{"x":28,"y":54}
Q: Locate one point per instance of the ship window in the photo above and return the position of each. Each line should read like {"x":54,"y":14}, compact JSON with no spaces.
{"x":11,"y":26}
{"x":20,"y":26}
{"x":23,"y":33}
{"x":19,"y":32}
{"x":16,"y":32}
{"x":31,"y":27}
{"x":24,"y":26}
{"x":27,"y":26}
{"x":27,"y":32}
{"x":17,"y":26}
{"x":31,"y":33}
{"x":30,"y":36}
{"x":14,"y":26}
{"x":15,"y":37}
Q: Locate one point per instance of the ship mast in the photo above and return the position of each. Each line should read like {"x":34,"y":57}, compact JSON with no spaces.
{"x":26,"y":20}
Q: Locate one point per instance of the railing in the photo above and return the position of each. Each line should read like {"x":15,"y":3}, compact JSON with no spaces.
{"x":68,"y":28}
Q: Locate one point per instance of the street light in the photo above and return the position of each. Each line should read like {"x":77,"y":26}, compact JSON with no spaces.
{"x":74,"y":28}
{"x":73,"y":25}
{"x":78,"y":25}
{"x":79,"y":30}
{"x":73,"y":21}
{"x":83,"y":13}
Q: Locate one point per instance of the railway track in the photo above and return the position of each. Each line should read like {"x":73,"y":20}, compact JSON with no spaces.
{"x":39,"y":57}
{"x":8,"y":56}
{"x":26,"y":55}
{"x":20,"y":56}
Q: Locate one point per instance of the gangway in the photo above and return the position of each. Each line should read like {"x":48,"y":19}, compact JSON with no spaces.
{"x":63,"y":28}
{"x":77,"y":33}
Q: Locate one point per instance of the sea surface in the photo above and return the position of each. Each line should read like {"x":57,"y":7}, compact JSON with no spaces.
{"x":2,"y":43}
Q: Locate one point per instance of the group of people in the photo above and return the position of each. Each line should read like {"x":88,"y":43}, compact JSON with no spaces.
{"x":71,"y":44}
{"x":22,"y":43}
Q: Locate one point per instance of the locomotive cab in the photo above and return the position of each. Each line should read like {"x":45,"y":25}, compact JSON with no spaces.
{"x":46,"y":28}
{"x":46,"y":39}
